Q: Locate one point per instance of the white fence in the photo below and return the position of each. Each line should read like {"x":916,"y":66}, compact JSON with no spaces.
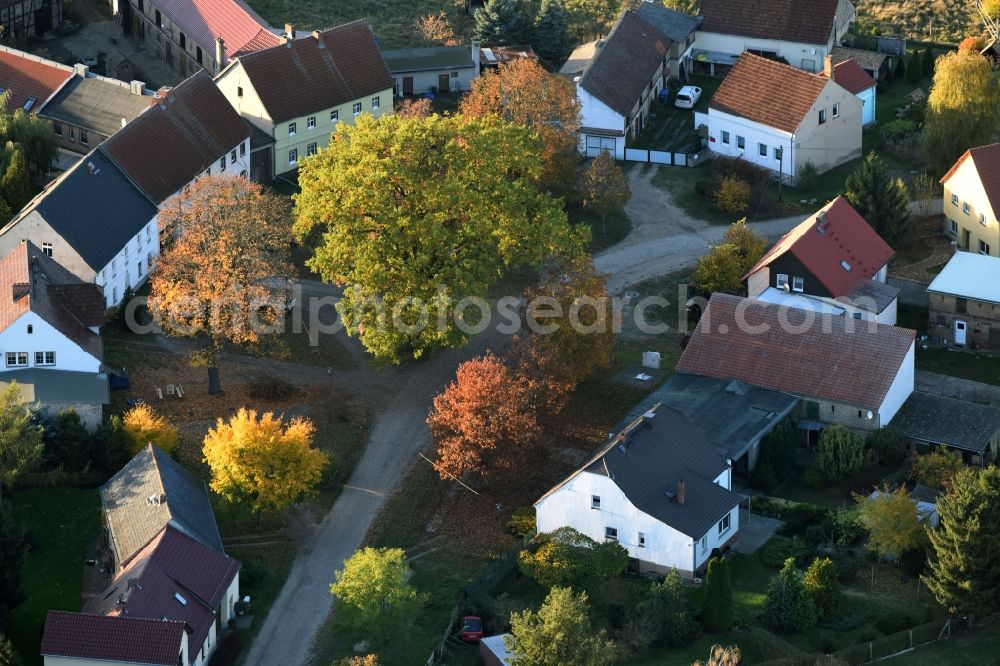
{"x":664,"y":157}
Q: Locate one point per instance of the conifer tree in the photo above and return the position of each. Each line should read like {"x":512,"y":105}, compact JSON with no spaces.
{"x":718,"y":602}
{"x":880,"y":199}
{"x":500,"y":23}
{"x":551,"y":40}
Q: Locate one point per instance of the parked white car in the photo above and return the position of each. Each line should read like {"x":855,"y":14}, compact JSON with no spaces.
{"x":687,"y":97}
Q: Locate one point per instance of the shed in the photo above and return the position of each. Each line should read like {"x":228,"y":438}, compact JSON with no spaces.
{"x":431,"y":69}
{"x":493,"y":650}
{"x":972,"y":429}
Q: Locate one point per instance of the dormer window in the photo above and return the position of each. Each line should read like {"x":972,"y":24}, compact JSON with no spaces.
{"x":47,"y":249}
{"x":846,"y":266}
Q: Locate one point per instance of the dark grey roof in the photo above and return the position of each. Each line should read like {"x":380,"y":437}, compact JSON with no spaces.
{"x":96,"y":104}
{"x":941,"y":420}
{"x":659,"y":450}
{"x":96,"y":213}
{"x":133,"y":519}
{"x":428,"y":59}
{"x":258,"y":137}
{"x":625,"y":63}
{"x":58,"y":386}
{"x":872,"y":296}
{"x":922,"y":493}
{"x":676,"y":26}
{"x":731,"y":414}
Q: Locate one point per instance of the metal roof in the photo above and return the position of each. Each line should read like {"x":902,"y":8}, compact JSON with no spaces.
{"x":969,"y":275}
{"x":427,"y":59}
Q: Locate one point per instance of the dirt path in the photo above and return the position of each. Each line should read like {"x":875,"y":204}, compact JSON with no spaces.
{"x":664,"y":238}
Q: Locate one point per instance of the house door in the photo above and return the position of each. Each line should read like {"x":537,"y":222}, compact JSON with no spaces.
{"x":959,"y":331}
{"x":407,"y":85}
{"x":965,"y":239}
{"x":443,"y":80}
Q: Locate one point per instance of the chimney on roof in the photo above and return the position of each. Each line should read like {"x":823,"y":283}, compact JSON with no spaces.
{"x":81,"y":70}
{"x":220,"y":52}
{"x":475,"y":56}
{"x":92,"y":170}
{"x":136,"y":87}
{"x":828,"y":67}
{"x":290,"y":31}
{"x":680,"y":491}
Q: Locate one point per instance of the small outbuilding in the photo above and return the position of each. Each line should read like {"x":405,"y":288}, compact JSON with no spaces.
{"x":930,"y":421}
{"x":493,"y":650}
{"x":432,"y":69}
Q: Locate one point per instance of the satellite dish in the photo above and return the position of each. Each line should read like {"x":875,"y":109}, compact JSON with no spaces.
{"x":786,"y":287}
{"x":869,"y":415}
{"x":813,"y":51}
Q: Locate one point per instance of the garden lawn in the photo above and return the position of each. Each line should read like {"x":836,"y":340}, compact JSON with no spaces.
{"x":63,"y":521}
{"x":972,"y":649}
{"x":963,"y":364}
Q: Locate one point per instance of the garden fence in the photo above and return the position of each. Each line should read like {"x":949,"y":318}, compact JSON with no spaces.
{"x":665,"y":157}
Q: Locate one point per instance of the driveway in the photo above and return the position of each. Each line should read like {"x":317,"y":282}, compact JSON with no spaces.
{"x":664,"y":239}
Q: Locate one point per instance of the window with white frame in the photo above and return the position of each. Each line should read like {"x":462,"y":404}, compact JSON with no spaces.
{"x":781,"y":280}
{"x":779,"y":153}
{"x":611,"y":533}
{"x":822,"y":116}
{"x":954,"y":200}
{"x":222,"y":163}
{"x":954,"y":226}
{"x":45,"y":358}
{"x":293,"y":156}
{"x":311,"y":122}
{"x":704,"y":544}
{"x":356,"y":109}
{"x":741,"y":142}
{"x":642,"y":540}
{"x":836,"y":109}
{"x":291,"y":129}
{"x":47,"y":249}
{"x":311,"y":149}
{"x":725,"y":138}
{"x":762,"y":149}
{"x":232,"y":155}
{"x":375,"y":102}
{"x":982,"y":219}
{"x":17,"y":359}
{"x":798,"y":283}
{"x":984,"y":247}
{"x":335,"y":116}
{"x":595,"y":501}
{"x":965,"y":207}
{"x":243,"y":149}
{"x":724,"y":524}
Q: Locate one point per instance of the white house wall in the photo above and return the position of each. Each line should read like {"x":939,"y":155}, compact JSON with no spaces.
{"x":130,"y":267}
{"x":44,"y":337}
{"x":758,"y":281}
{"x":804,"y":56}
{"x":754,"y":134}
{"x":597,"y":115}
{"x":899,"y":390}
{"x":867,"y":98}
{"x":249,"y":104}
{"x":424,"y":81}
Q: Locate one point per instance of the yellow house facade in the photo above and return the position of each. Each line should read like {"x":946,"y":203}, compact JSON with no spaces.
{"x":297,"y":93}
{"x":972,"y":200}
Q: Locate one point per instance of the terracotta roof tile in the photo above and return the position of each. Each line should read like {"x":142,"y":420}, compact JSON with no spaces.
{"x":806,"y":21}
{"x":203,"y":20}
{"x":306,"y":75}
{"x":849,"y":75}
{"x":25,"y":76}
{"x":835,"y":233}
{"x":31,"y":280}
{"x":625,"y":63}
{"x":987,"y":162}
{"x":811,"y":355}
{"x":118,"y":639}
{"x":191,"y":127}
{"x":768,"y":92}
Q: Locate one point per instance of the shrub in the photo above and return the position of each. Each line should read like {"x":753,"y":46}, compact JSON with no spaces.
{"x":777,"y":449}
{"x":913,"y":561}
{"x":763,"y":478}
{"x":732,"y":195}
{"x":144,"y":426}
{"x":821,"y":581}
{"x":893,"y":621}
{"x":840,"y":453}
{"x":789,"y":606}
{"x":847,"y":528}
{"x":896,"y":130}
{"x":848,"y":622}
{"x":889,"y":445}
{"x":522,"y":522}
{"x":937,"y":468}
{"x":733,"y":167}
{"x":808,"y":176}
{"x":717,"y":607}
{"x":569,"y":557}
{"x":814,"y":478}
{"x":801,"y":517}
{"x":228,"y":651}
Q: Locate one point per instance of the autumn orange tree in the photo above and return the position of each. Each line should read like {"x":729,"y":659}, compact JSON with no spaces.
{"x":262,"y":461}
{"x":572,"y":336}
{"x":481,"y":420}
{"x":434,"y":29}
{"x":224,"y":239}
{"x":604,"y":187}
{"x":144,"y":426}
{"x":522,"y":92}
{"x":415,"y":108}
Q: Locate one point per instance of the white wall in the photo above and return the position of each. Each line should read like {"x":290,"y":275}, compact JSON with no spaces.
{"x":596,"y":114}
{"x":753,"y":134}
{"x":759,"y":281}
{"x":43,"y":338}
{"x":424,"y":81}
{"x":867,"y":98}
{"x":249,"y":105}
{"x":899,"y":391}
{"x":804,"y":56}
{"x":130,"y":267}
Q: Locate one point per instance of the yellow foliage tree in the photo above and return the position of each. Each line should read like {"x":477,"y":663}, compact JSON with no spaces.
{"x":144,"y":426}
{"x":733,"y":195}
{"x":262,"y":462}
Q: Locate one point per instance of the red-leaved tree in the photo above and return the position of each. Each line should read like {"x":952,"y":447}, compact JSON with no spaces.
{"x":482,"y":419}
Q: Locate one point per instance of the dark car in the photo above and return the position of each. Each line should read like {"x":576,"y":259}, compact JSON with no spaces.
{"x":472,"y":629}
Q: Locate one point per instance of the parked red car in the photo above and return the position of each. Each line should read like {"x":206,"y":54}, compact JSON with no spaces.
{"x":472,"y":629}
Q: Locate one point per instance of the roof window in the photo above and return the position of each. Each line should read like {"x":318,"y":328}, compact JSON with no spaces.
{"x":846,"y":266}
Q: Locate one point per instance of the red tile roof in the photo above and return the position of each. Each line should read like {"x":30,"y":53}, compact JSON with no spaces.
{"x":191,"y":127}
{"x":175,"y":577}
{"x":26,"y":76}
{"x":308,"y":75}
{"x":806,"y":21}
{"x":804,"y":353}
{"x":987,"y":162}
{"x":202,"y":21}
{"x":31,"y":280}
{"x":849,"y":74}
{"x":768,"y":92}
{"x":105,"y":638}
{"x":834,"y":234}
